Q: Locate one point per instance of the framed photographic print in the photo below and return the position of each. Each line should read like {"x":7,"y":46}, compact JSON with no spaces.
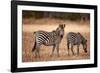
{"x":52,"y":36}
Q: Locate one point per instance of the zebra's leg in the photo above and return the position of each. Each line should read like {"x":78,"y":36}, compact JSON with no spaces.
{"x":77,"y":49}
{"x":68,"y":48}
{"x":37,"y":51}
{"x":72,"y":49}
{"x":53,"y":50}
{"x":57,"y":47}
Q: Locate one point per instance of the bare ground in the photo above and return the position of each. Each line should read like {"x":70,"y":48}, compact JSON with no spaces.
{"x":45,"y":51}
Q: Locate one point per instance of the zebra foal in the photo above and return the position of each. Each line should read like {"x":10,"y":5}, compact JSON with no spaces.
{"x":52,"y":38}
{"x":76,"y":39}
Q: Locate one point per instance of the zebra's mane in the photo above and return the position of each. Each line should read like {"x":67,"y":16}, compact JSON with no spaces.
{"x":81,"y":36}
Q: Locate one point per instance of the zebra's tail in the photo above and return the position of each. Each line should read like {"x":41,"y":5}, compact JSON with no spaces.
{"x":34,"y":47}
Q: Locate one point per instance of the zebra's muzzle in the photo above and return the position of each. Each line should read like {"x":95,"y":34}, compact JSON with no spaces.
{"x":85,"y":51}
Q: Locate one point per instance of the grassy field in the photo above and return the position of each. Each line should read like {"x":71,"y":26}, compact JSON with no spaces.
{"x":45,"y":51}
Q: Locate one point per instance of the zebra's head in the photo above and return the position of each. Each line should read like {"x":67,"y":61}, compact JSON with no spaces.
{"x":85,"y":45}
{"x":84,"y":42}
{"x":60,"y":30}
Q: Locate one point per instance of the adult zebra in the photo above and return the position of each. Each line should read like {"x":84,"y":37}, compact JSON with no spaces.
{"x":52,"y":38}
{"x":76,"y":39}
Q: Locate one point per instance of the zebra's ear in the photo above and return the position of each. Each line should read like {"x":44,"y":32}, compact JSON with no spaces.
{"x":78,"y":32}
{"x":64,"y":25}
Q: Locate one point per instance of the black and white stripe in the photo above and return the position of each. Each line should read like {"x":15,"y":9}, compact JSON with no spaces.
{"x":52,"y":38}
{"x":76,"y":39}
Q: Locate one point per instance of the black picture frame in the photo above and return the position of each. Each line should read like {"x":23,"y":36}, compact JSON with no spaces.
{"x":14,"y":5}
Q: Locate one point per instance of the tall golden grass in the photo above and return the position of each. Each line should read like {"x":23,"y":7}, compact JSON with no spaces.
{"x":45,"y":51}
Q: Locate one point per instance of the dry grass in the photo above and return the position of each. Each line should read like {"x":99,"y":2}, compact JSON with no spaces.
{"x":45,"y":51}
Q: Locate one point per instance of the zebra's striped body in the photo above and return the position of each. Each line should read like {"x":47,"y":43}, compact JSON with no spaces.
{"x":45,"y":38}
{"x":48,"y":39}
{"x":76,"y":39}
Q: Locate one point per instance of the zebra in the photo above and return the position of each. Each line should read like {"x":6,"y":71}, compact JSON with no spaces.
{"x":52,"y":38}
{"x":76,"y":39}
